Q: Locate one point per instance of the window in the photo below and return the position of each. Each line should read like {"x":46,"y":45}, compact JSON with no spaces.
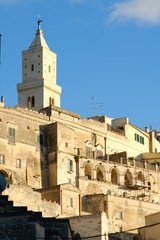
{"x":70,"y":202}
{"x":12,"y":135}
{"x":33,"y":101}
{"x":78,"y":150}
{"x":119,"y":229}
{"x":32,"y":67}
{"x":139,"y":138}
{"x":18,"y":163}
{"x":68,"y":180}
{"x":49,"y":68}
{"x":119,"y":215}
{"x":39,"y":142}
{"x":66,"y":145}
{"x":29,"y":102}
{"x":155,"y":150}
{"x":70,"y":165}
{"x":51,"y":101}
{"x":89,"y":152}
{"x":2,"y":159}
{"x":94,"y":139}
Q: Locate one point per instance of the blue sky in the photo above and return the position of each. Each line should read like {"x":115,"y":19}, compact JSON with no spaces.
{"x":108,"y":54}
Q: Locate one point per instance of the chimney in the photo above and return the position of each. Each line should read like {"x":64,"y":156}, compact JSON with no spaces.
{"x":147,"y":129}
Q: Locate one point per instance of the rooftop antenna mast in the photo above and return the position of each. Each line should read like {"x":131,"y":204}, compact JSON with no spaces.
{"x":93,"y":106}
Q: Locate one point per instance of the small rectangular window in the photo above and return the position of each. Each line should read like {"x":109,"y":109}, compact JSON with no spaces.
{"x":32,"y":67}
{"x":155,"y":150}
{"x":70,"y":165}
{"x":66,"y":145}
{"x":39,"y":142}
{"x":68,"y":180}
{"x":2,"y":159}
{"x":11,"y":135}
{"x":119,"y":229}
{"x":18,"y":163}
{"x":70,"y":202}
{"x":33,"y":101}
{"x":94,"y":139}
{"x":135,"y":137}
{"x":119,"y":215}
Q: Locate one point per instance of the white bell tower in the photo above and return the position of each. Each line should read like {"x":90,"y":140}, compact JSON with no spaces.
{"x":38,"y":88}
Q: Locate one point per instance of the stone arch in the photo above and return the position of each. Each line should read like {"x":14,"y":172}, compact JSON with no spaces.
{"x":151,"y":183}
{"x":128,"y":178}
{"x":140,"y":179}
{"x":114,"y":176}
{"x":100,"y":173}
{"x":88,"y":171}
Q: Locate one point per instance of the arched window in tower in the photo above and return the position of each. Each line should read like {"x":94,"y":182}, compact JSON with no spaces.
{"x":29,"y":102}
{"x":32,"y":67}
{"x":128,"y":178}
{"x":52,"y":101}
{"x":33,"y":101}
{"x":114,"y":176}
{"x":49,"y":68}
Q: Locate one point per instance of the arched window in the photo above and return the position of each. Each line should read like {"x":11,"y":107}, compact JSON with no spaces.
{"x":33,"y":101}
{"x":49,"y":68}
{"x":114,"y":176}
{"x":128,"y":179}
{"x":100,"y":176}
{"x":87,"y":171}
{"x":29,"y":102}
{"x":52,"y":101}
{"x":140,"y":179}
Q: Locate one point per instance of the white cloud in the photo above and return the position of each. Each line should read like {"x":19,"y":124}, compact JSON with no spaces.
{"x":141,"y":11}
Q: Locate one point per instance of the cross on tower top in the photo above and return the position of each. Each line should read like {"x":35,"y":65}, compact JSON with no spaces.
{"x":39,"y":21}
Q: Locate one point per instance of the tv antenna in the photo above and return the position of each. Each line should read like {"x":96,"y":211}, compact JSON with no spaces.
{"x":97,"y":106}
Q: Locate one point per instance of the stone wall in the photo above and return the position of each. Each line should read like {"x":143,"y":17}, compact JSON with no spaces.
{"x":125,"y":213}
{"x":91,"y":226}
{"x":26,"y":196}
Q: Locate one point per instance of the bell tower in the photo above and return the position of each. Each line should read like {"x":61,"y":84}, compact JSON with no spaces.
{"x":38,"y":88}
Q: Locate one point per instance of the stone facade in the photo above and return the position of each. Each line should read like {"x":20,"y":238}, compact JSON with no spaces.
{"x":56,"y":160}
